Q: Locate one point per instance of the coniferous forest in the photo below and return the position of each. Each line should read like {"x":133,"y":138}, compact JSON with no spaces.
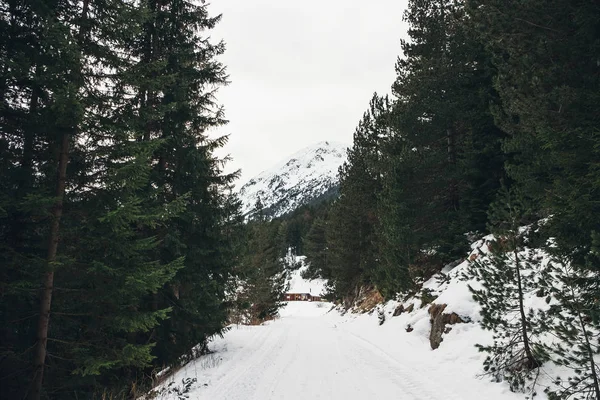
{"x":116,"y":224}
{"x":493,"y":126}
{"x":123,"y":249}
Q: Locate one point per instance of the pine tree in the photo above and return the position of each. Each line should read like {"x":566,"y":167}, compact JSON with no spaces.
{"x":351,"y":230}
{"x":56,"y":37}
{"x":549,"y":86}
{"x":507,"y":276}
{"x":263,"y":272}
{"x":315,"y":244}
{"x":110,"y":274}
{"x":443,"y":161}
{"x":23,"y":199}
{"x":113,"y":143}
{"x":573,"y":319}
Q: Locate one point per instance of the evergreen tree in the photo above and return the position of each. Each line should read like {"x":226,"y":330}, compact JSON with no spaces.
{"x":351,"y":230}
{"x":573,"y":319}
{"x":507,"y":276}
{"x":549,"y":86}
{"x":120,"y":200}
{"x":56,"y":86}
{"x":443,"y":160}
{"x":109,"y":275}
{"x":174,"y":105}
{"x":315,"y":244}
{"x":263,"y":272}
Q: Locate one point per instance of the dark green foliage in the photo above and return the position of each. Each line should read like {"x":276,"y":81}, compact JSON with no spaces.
{"x":145,"y":243}
{"x":546,"y":55}
{"x":444,"y":160}
{"x":423,"y":169}
{"x":315,"y":245}
{"x":262,"y":273}
{"x":351,"y":230}
{"x":299,"y":223}
{"x":546,"y":58}
{"x":507,"y":276}
{"x":573,"y":317}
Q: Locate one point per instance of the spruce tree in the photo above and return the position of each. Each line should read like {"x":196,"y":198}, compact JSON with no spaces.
{"x":547,"y":106}
{"x":111,"y":272}
{"x":548,"y":84}
{"x":315,"y":244}
{"x":114,"y":144}
{"x":175,"y":80}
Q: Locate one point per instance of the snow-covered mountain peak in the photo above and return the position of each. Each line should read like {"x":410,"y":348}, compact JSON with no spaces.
{"x":302,"y":178}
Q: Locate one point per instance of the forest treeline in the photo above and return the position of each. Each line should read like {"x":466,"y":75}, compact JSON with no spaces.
{"x":490,"y":96}
{"x":493,"y":125}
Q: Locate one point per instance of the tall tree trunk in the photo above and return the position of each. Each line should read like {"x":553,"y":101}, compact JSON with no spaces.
{"x":53,"y":239}
{"x":48,"y":281}
{"x":531,"y":361}
{"x":590,"y":355}
{"x":586,"y":335}
{"x":451,"y":147}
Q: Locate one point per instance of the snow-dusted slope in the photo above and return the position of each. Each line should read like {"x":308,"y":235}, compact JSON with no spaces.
{"x":300,"y":179}
{"x":297,"y":284}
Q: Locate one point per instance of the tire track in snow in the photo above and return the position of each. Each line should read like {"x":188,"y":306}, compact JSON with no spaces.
{"x":298,"y":358}
{"x":228,"y":388}
{"x":415,"y":373}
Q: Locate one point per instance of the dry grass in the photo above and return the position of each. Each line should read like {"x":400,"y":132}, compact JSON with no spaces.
{"x":368,"y":299}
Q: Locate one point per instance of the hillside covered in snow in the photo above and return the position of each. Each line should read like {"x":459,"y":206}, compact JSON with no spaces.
{"x":306,"y":176}
{"x":297,"y":284}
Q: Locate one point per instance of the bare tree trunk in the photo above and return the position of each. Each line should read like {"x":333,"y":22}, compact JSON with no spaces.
{"x":590,"y":354}
{"x":53,"y":239}
{"x":588,"y":345}
{"x":48,"y":282}
{"x":531,"y":361}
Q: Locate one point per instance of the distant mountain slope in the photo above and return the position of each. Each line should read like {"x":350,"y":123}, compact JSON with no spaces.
{"x":307,"y":176}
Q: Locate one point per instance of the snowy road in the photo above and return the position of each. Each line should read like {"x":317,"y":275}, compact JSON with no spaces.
{"x":308,"y":355}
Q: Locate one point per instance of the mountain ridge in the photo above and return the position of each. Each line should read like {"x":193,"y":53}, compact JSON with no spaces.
{"x":309,"y":175}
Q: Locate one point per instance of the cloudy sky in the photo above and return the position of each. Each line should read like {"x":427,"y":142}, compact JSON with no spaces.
{"x":302,"y":71}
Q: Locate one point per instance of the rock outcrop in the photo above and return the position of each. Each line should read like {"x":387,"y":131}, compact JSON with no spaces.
{"x":439,"y":319}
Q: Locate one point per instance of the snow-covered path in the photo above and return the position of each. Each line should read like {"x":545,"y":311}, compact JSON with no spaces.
{"x":308,"y":354}
{"x":304,"y":357}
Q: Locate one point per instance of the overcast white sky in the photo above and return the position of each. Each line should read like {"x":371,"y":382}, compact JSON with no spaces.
{"x":302,"y":71}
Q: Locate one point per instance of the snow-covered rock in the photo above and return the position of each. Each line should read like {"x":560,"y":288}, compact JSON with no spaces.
{"x":306,"y":176}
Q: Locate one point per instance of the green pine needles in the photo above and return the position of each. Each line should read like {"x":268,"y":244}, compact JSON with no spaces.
{"x":116,"y":240}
